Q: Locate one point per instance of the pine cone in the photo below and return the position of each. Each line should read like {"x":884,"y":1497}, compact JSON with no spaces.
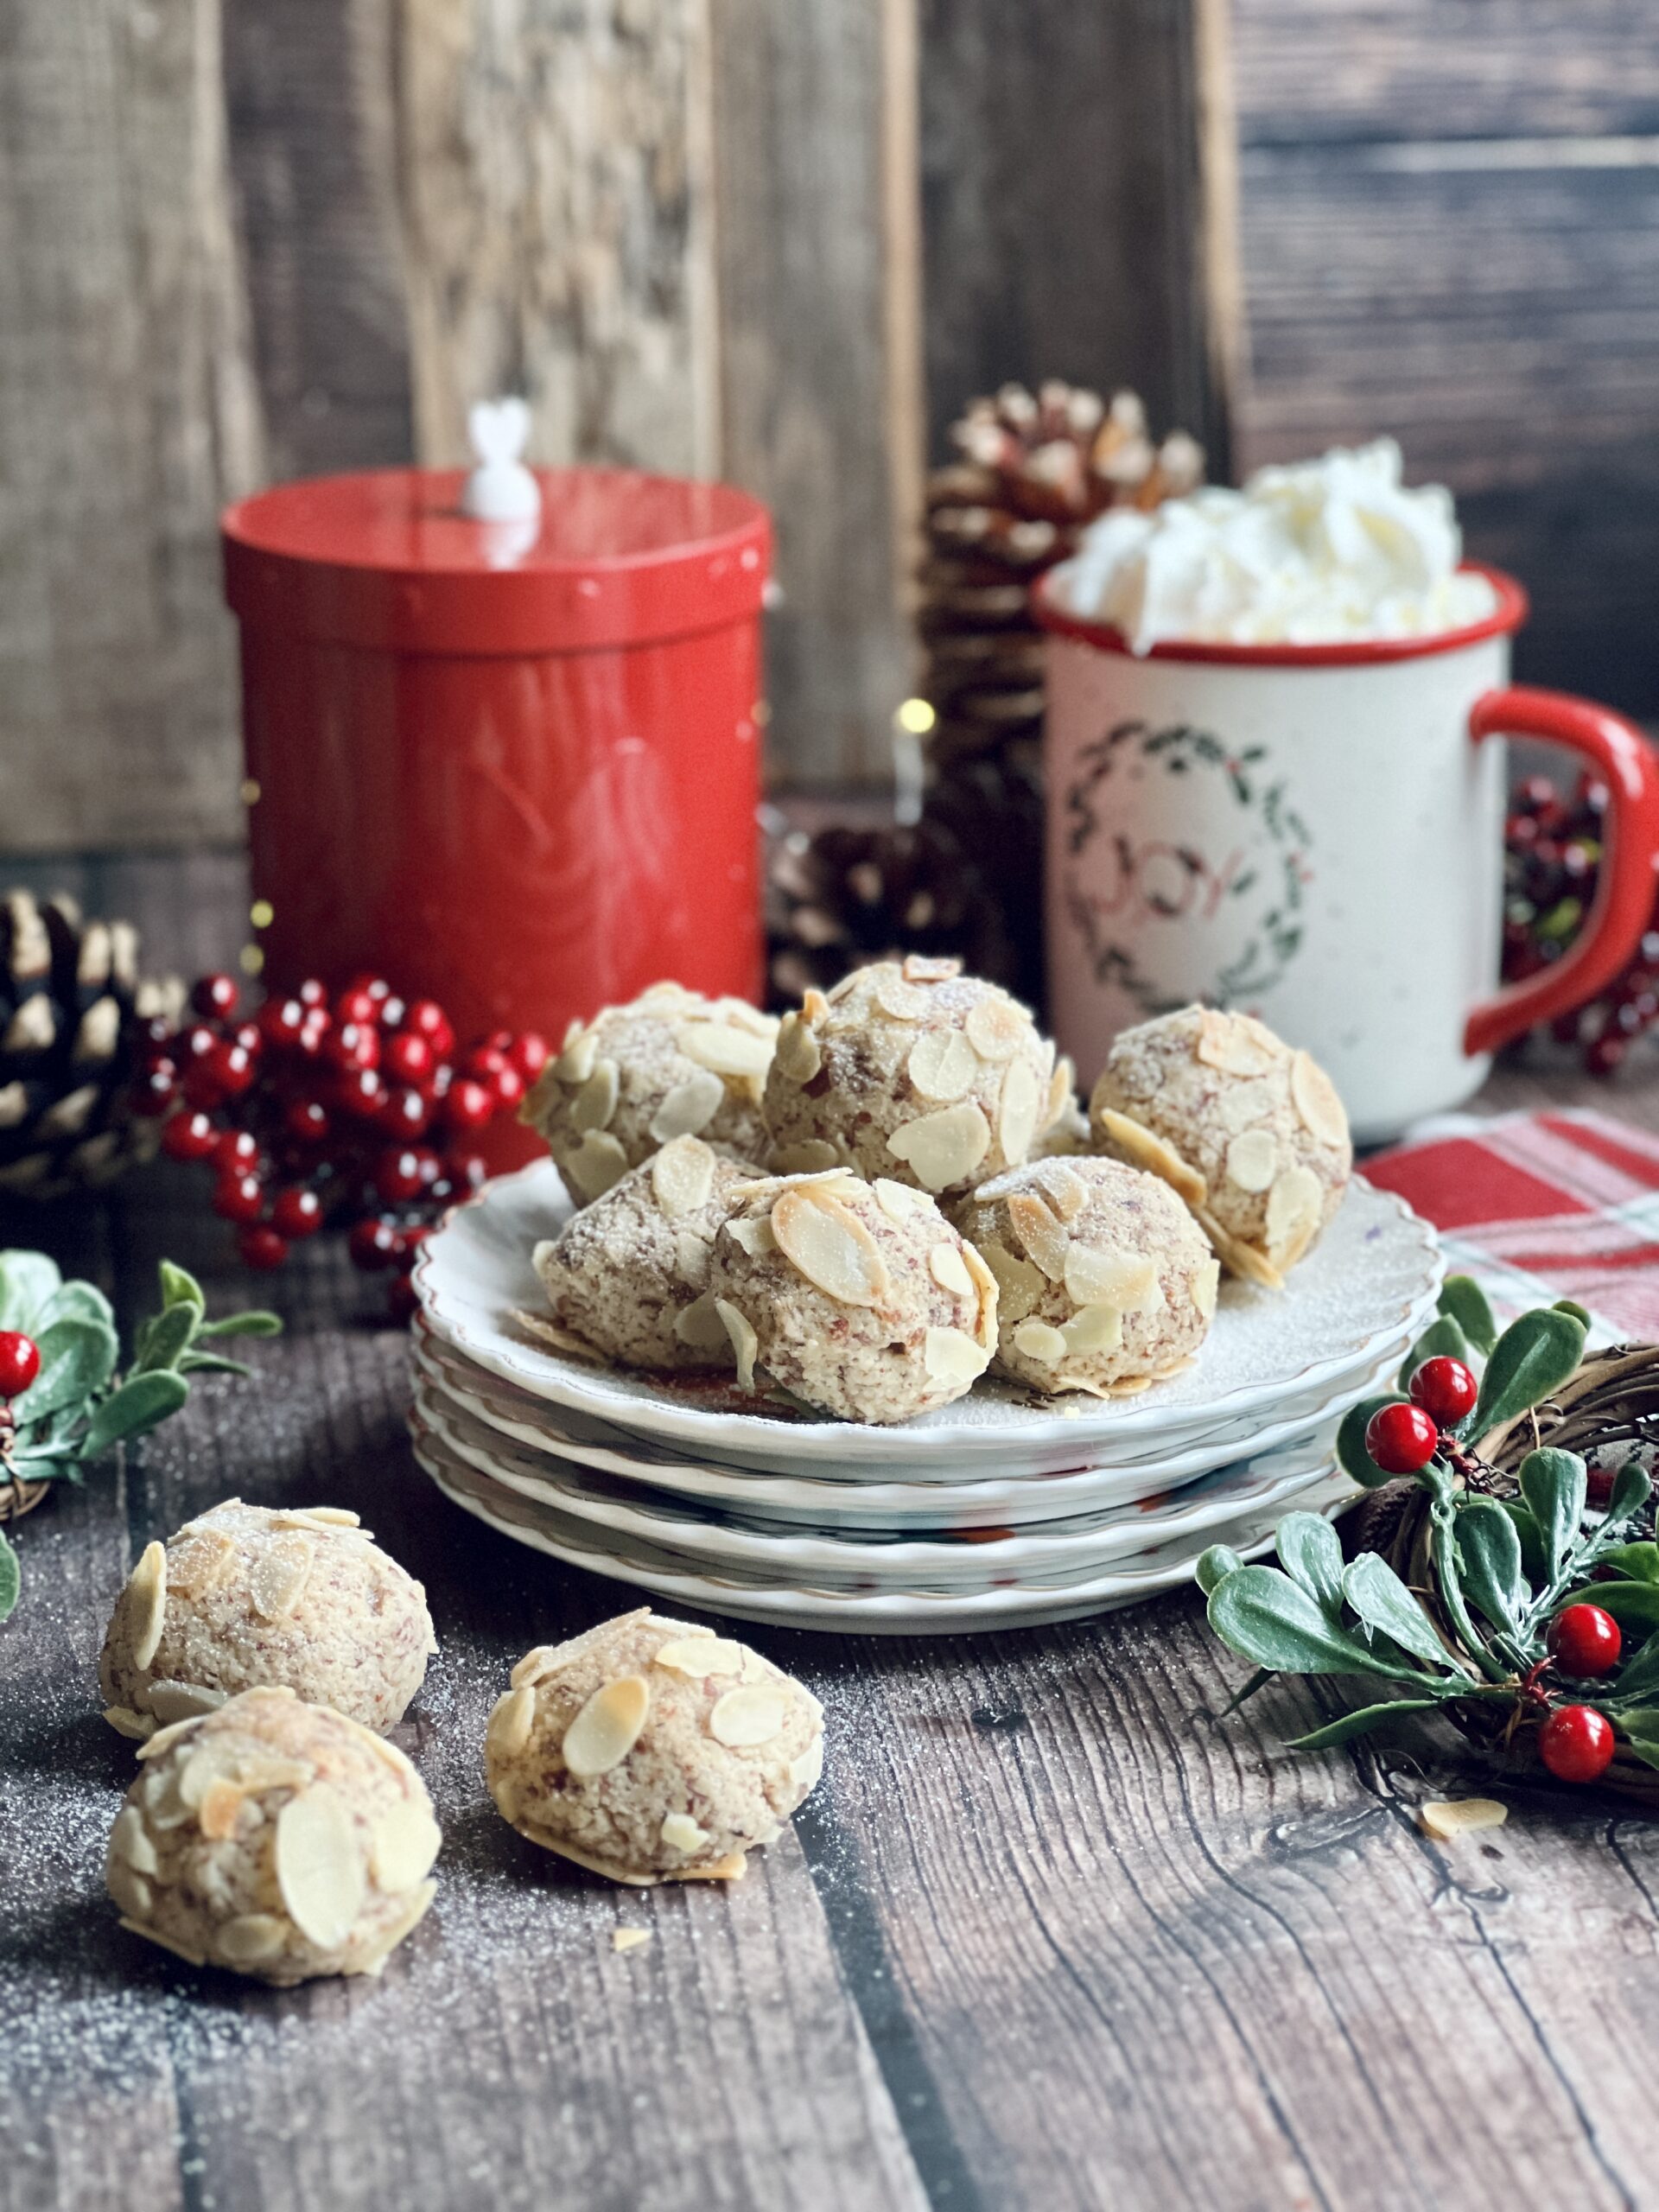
{"x":846,"y":896}
{"x":70,"y":1005}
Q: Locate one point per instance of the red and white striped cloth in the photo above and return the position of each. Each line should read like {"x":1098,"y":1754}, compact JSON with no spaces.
{"x":1541,"y":1206}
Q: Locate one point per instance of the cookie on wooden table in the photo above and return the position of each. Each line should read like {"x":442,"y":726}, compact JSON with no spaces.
{"x":1251,"y":1134}
{"x":651,"y":1752}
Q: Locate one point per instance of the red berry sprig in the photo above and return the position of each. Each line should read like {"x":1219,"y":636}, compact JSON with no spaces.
{"x":1402,"y":1439}
{"x":1576,"y":1742}
{"x":1585,"y":1641}
{"x":356,"y":1112}
{"x":20,"y":1363}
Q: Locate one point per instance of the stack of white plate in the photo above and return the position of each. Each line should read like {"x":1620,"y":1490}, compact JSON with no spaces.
{"x":1003,"y":1508}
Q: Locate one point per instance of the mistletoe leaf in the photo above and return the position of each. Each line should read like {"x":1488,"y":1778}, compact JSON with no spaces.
{"x":164,"y":1341}
{"x":28,"y":1280}
{"x":1640,"y":1677}
{"x":76,"y":1302}
{"x":1355,"y":1460}
{"x":11,"y":1579}
{"x":1553,"y":1484}
{"x":1383,"y":1603}
{"x":1534,"y":1355}
{"x":211,"y":1363}
{"x":1443,"y":1338}
{"x":77,"y":1360}
{"x":1462,"y":1297}
{"x":141,"y":1402}
{"x":1632,"y":1487}
{"x":1310,"y":1551}
{"x":253,"y":1323}
{"x":1632,"y":1605}
{"x":179,"y":1286}
{"x":1360,"y":1722}
{"x":1270,"y":1620}
{"x":1644,"y":1749}
{"x":1489,"y":1550}
{"x":1571,"y":1306}
{"x":1214,"y":1565}
{"x":1532,"y":1541}
{"x":1632,"y":1562}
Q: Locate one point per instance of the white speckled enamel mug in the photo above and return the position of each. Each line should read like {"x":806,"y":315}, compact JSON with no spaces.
{"x":1314,"y":833}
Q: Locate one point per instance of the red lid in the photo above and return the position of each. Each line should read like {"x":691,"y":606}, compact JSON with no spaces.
{"x":386,"y":559}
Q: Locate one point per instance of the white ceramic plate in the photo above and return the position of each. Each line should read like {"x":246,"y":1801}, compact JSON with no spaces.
{"x":1377,"y":1267}
{"x":889,"y":1613}
{"x":1073,"y":1549}
{"x":822,"y":1501}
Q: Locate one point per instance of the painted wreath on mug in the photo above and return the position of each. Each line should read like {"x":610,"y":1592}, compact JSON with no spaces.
{"x":1251,"y":894}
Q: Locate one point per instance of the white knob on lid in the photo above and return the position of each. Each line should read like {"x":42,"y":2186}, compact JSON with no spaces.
{"x":500,"y":489}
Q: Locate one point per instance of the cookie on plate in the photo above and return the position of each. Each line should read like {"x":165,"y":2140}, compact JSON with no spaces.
{"x":670,"y":1063}
{"x":860,"y":1298}
{"x":648,"y":1751}
{"x":1107,"y":1283}
{"x":1251,"y":1134}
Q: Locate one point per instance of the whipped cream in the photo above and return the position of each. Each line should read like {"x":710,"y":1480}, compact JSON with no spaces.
{"x":1323,"y":552}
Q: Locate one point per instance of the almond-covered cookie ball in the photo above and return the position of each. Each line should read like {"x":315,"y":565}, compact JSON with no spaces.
{"x":911,"y":1071}
{"x":652,"y":1751}
{"x":1106,"y":1281}
{"x":670,"y":1063}
{"x":246,"y":1597}
{"x":274,"y":1838}
{"x":629,"y":1274}
{"x":860,"y":1298}
{"x":1251,"y":1134}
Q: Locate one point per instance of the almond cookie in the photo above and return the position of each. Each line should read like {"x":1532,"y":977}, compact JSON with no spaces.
{"x":912,"y":1071}
{"x":274,"y":1838}
{"x":1251,"y":1135}
{"x":670,"y":1063}
{"x":629,"y":1274}
{"x":1106,"y":1280}
{"x":860,"y":1299}
{"x":651,"y":1752}
{"x":246,"y":1596}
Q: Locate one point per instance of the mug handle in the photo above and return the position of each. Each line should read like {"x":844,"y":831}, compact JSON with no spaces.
{"x":1624,"y":903}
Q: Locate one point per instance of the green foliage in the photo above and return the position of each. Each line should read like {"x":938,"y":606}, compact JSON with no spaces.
{"x":1352,"y":1455}
{"x":1442,"y":1340}
{"x":1553,"y":1484}
{"x":11,"y":1580}
{"x":1463,"y":1299}
{"x":1534,"y":1355}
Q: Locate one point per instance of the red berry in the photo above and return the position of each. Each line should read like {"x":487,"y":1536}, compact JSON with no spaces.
{"x":306,"y":1121}
{"x":235,"y":1149}
{"x":1444,"y":1389}
{"x":311,"y":993}
{"x":411,"y":1058}
{"x":426,"y":1017}
{"x":154,"y":1090}
{"x":20,"y":1363}
{"x":392,"y":1012}
{"x":282,"y":1022}
{"x":508,"y":1085}
{"x":354,"y":1044}
{"x":240,"y":1197}
{"x":189,"y":1136}
{"x":467,"y":1104}
{"x":195,"y":1044}
{"x":261,"y":1247}
{"x":1401,"y":1438}
{"x":397,"y":1175}
{"x":401,"y":1301}
{"x":1586,"y":1640}
{"x":467,"y":1170}
{"x":214,"y":997}
{"x":1576,"y":1742}
{"x":233,"y":1069}
{"x":201,"y":1086}
{"x":296,"y":1211}
{"x":361,"y":1094}
{"x":529,"y":1053}
{"x":372,"y":1244}
{"x":485,"y":1062}
{"x":406,"y":1113}
{"x":357,"y":1006}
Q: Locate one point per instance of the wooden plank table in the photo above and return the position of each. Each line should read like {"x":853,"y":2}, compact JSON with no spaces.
{"x":1047,"y":1935}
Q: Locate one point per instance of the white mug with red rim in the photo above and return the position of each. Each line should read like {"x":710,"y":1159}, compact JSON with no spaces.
{"x":1314,"y":833}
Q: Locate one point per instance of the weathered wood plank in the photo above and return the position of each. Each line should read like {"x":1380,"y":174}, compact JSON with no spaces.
{"x":127,"y":413}
{"x":1341,"y":69}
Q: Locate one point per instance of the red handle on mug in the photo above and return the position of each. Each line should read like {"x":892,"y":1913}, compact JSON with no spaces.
{"x":1624,"y":903}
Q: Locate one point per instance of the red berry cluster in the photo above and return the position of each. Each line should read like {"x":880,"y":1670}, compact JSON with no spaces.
{"x":351,"y":1111}
{"x":1554,"y":848}
{"x":1404,"y":1437}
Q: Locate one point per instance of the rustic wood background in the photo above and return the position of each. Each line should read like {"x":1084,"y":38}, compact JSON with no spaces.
{"x":783,"y":243}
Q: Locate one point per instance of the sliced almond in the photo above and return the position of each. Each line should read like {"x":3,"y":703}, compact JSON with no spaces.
{"x":147,"y":1592}
{"x":745,"y":1343}
{"x":754,"y":1233}
{"x":1294,"y":1206}
{"x":1019,"y":1284}
{"x":1253,"y":1159}
{"x":682,"y":1176}
{"x":597,"y":1162}
{"x":405,"y":1841}
{"x":996,"y":1028}
{"x":125,"y":1722}
{"x":745,"y":1016}
{"x":952,"y":1356}
{"x":688,"y":1108}
{"x":1106,"y":1276}
{"x":535,"y":1667}
{"x":221,"y":1803}
{"x":629,"y":1939}
{"x":985,"y":1289}
{"x":197,"y":1773}
{"x":897,"y":999}
{"x":1061,"y":1087}
{"x":917,"y":968}
{"x":251,"y":1937}
{"x":681,"y":1832}
{"x":724,"y":1049}
{"x":1065,"y":1189}
{"x":804,"y":1771}
{"x":898,"y":1201}
{"x":1093,"y":1329}
{"x":1446,"y":1819}
{"x":1242,"y":1105}
{"x":1142,"y":1149}
{"x":950,"y":1270}
{"x":1041,"y":1342}
{"x":745,"y":1719}
{"x":814,"y":1005}
{"x":560,"y":1338}
{"x":319,"y":1874}
{"x":277,"y":1575}
{"x":607,"y":1728}
{"x":699,"y":1657}
{"x":511,"y":1720}
{"x":130,"y":1839}
{"x":576,"y":1062}
{"x":334,"y":1517}
{"x":1046,"y":1239}
{"x":699,"y":1326}
{"x":1206,"y":1283}
{"x":1235,"y":1044}
{"x":799,"y":1055}
{"x":944,"y":1148}
{"x":1018,"y":1111}
{"x":162,"y":1739}
{"x":830,"y":1246}
{"x":942,"y":1064}
{"x":691,"y":1256}
{"x":1314,"y":1096}
{"x":1238,"y":1257}
{"x":594,"y":1103}
{"x":129,"y":1889}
